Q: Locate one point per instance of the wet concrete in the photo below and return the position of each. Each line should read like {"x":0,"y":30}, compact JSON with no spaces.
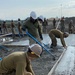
{"x":66,"y":65}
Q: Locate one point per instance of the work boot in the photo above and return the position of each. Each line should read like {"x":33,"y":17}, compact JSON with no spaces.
{"x":52,"y":46}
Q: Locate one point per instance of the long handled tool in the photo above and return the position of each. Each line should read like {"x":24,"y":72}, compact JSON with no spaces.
{"x":3,"y":47}
{"x":58,"y":25}
{"x":0,"y":58}
{"x":40,"y":44}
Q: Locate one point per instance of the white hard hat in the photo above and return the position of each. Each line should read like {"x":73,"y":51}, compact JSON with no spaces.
{"x":66,"y":33}
{"x":41,"y":17}
{"x":33,"y":15}
{"x":37,"y":49}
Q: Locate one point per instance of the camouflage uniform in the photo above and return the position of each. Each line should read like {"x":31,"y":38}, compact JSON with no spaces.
{"x":54,"y":23}
{"x":45,"y":24}
{"x":12,"y":29}
{"x":62,"y":24}
{"x":34,"y":29}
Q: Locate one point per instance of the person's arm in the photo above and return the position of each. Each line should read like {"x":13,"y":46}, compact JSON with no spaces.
{"x":63,"y":41}
{"x":20,"y":69}
{"x":40,"y":33}
{"x":29,"y":69}
{"x":24,"y":26}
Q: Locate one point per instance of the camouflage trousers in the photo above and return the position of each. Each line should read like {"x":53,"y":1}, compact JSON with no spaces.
{"x":53,"y":39}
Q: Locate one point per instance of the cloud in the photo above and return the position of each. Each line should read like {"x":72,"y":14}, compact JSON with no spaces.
{"x":69,"y":5}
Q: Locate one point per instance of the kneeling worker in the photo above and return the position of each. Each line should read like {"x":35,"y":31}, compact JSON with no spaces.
{"x":54,"y":33}
{"x":18,"y":63}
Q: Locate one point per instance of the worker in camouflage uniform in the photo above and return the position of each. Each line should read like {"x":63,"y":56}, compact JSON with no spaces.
{"x":20,"y":28}
{"x":62,"y":25}
{"x":55,"y":33}
{"x":18,"y":63}
{"x":71,"y":27}
{"x":4,"y":27}
{"x":45,"y":24}
{"x":33,"y":27}
{"x":12,"y":29}
{"x":54,"y":23}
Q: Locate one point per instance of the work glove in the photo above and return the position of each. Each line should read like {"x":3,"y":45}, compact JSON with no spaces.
{"x":65,"y":47}
{"x":41,"y":37}
{"x":23,"y":29}
{"x":28,"y":73}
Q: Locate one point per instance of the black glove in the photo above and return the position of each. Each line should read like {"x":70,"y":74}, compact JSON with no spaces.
{"x":23,"y":29}
{"x":41,"y":37}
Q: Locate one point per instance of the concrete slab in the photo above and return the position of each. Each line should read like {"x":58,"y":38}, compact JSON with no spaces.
{"x":66,"y":65}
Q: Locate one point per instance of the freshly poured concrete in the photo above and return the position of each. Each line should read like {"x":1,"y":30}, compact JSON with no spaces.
{"x":66,"y":65}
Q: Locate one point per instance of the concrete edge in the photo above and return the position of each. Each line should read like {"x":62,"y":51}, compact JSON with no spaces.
{"x":57,"y":62}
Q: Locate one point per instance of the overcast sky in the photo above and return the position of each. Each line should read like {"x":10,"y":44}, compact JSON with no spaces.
{"x":14,"y":9}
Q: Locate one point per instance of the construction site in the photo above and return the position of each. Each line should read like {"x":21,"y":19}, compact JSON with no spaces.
{"x":64,"y":63}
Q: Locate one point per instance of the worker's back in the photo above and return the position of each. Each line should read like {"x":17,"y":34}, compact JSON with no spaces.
{"x":56,"y":32}
{"x":10,"y":62}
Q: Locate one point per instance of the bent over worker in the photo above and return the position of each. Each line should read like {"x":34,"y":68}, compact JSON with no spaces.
{"x":54,"y":33}
{"x":18,"y":63}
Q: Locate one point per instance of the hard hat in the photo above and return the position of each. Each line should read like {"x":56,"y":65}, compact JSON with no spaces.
{"x":33,"y":15}
{"x":66,"y":33}
{"x":41,"y":17}
{"x":36,"y":49}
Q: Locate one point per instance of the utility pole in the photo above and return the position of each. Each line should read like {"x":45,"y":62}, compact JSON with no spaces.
{"x":61,"y":10}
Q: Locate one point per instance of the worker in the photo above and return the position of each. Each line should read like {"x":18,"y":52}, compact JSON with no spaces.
{"x":55,"y":33}
{"x":62,"y":24}
{"x":18,"y":63}
{"x":20,"y":28}
{"x":12,"y":29}
{"x":54,"y":23}
{"x":32,"y":26}
{"x":4,"y":27}
{"x":45,"y":24}
{"x":71,"y":27}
